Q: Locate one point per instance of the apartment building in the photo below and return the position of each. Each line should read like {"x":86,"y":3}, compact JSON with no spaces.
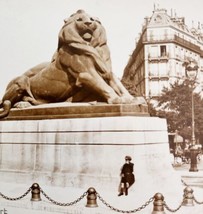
{"x":163,"y":46}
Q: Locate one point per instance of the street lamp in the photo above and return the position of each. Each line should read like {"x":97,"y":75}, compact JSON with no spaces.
{"x":191,"y":70}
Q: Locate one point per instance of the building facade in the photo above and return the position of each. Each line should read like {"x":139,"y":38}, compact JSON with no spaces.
{"x":163,"y":46}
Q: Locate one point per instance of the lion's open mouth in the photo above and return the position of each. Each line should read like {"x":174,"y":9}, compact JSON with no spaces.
{"x":87,"y":36}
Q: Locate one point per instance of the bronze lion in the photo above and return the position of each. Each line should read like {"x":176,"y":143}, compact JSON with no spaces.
{"x":80,"y":69}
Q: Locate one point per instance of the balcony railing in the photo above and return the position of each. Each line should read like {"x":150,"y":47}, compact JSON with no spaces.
{"x":162,"y":57}
{"x":171,"y":38}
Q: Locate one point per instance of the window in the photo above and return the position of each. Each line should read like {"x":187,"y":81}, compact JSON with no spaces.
{"x":162,"y":84}
{"x":163,"y":50}
{"x":153,"y":51}
{"x":153,"y":69}
{"x":154,"y":88}
{"x":163,"y":69}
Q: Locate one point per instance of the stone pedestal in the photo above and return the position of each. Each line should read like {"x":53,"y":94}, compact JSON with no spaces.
{"x":84,"y":152}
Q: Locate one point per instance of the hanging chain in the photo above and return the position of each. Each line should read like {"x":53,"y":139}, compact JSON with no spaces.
{"x":63,"y":204}
{"x":123,"y":211}
{"x":184,"y":183}
{"x":172,"y":210}
{"x":197,"y":201}
{"x":17,"y":198}
{"x":100,"y":198}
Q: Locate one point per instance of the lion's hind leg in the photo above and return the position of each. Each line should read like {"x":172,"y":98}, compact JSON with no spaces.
{"x":17,"y":89}
{"x":26,"y":102}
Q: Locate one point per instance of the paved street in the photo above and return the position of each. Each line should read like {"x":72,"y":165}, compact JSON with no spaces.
{"x":186,"y":167}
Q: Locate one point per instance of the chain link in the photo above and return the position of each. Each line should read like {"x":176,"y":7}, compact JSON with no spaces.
{"x":63,"y":204}
{"x":184,"y":183}
{"x":17,"y":198}
{"x":197,"y":201}
{"x":172,"y":210}
{"x":123,"y":211}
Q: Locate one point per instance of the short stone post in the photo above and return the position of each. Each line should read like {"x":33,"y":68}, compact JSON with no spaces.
{"x":188,"y":197}
{"x":91,"y":198}
{"x":158,"y":204}
{"x":35,"y":192}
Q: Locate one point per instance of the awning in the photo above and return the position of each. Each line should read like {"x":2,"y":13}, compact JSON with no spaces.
{"x":178,"y":138}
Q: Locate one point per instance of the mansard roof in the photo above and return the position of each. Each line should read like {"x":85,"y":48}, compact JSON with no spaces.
{"x":160,"y":18}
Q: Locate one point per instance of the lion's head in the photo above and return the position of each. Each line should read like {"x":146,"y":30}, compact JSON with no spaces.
{"x":82,"y":28}
{"x":85,"y":25}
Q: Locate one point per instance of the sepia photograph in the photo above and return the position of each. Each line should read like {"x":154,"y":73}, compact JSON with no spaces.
{"x":101,"y":107}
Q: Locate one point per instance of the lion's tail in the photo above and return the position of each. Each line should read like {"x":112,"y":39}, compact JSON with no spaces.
{"x":6,"y":105}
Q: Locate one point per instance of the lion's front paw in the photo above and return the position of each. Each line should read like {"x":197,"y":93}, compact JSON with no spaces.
{"x":127,"y":99}
{"x":116,"y":100}
{"x":22,"y":104}
{"x":121,"y":100}
{"x":139,"y":101}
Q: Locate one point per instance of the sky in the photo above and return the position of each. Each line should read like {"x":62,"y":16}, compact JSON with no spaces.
{"x":29,"y":28}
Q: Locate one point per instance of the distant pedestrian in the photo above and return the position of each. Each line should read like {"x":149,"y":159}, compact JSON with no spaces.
{"x":127,"y":176}
{"x":179,"y":151}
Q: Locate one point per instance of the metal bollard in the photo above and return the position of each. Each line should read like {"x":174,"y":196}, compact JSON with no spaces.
{"x":91,"y":198}
{"x":35,"y":192}
{"x":188,"y":197}
{"x":158,"y":204}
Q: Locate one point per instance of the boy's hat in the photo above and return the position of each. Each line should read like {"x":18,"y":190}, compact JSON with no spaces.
{"x":128,"y":158}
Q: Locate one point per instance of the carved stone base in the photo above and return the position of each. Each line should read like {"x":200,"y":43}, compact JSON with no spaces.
{"x":84,"y":152}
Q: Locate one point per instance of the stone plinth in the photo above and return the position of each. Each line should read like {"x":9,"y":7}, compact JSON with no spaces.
{"x":84,"y":152}
{"x":76,"y":110}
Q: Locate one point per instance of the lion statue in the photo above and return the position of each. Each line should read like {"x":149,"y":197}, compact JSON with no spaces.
{"x":80,"y":70}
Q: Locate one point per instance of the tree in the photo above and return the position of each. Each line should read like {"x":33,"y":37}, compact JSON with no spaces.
{"x":176,"y":103}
